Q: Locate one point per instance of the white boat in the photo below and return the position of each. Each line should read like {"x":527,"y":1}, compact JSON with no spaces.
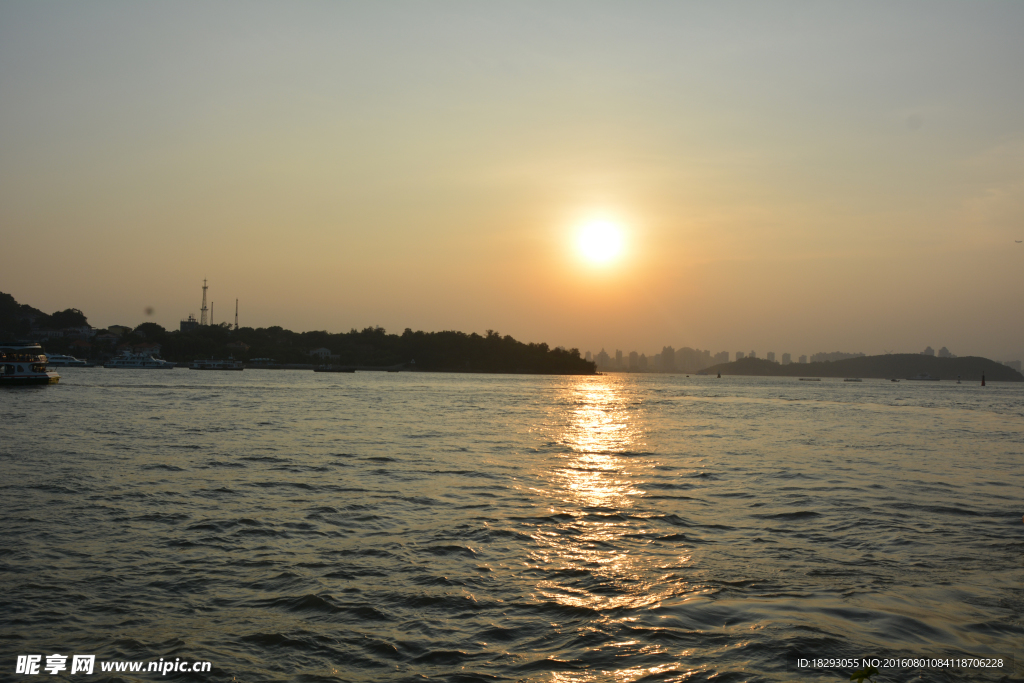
{"x":924,"y":377}
{"x":229,"y":364}
{"x":57,"y":360}
{"x":138,"y":361}
{"x":24,"y":364}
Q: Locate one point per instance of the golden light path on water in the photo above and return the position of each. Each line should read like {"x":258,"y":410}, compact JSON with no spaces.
{"x":602,"y":434}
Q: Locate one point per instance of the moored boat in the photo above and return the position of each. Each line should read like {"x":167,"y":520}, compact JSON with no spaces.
{"x":24,"y":364}
{"x":211,"y":364}
{"x":57,"y":360}
{"x":138,"y":361}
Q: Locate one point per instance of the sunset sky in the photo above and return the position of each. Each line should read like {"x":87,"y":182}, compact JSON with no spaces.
{"x":785,"y":176}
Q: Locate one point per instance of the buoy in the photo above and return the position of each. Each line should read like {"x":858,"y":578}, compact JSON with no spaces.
{"x":983,"y":379}
{"x":719,"y":375}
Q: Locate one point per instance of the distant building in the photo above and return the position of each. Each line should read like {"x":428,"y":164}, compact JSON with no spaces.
{"x":82,"y":347}
{"x":739,"y":355}
{"x":618,"y":360}
{"x":753,"y":354}
{"x":321,"y":353}
{"x":83,"y":332}
{"x":944,"y":353}
{"x":786,"y":359}
{"x":770,"y":356}
{"x":928,"y":351}
{"x":803,"y":359}
{"x":668,"y":359}
{"x":643,"y":363}
{"x":603,"y":360}
{"x":721,"y":357}
{"x":188,"y":324}
{"x":634,"y":361}
{"x":147,"y":348}
{"x":589,"y":356}
{"x":693,"y":360}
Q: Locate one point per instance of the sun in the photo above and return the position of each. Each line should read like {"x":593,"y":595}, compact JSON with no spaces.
{"x":601,"y":241}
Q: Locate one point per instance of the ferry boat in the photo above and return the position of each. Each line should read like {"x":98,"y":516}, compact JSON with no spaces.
{"x":23,"y":364}
{"x":57,"y":360}
{"x":138,"y":361}
{"x":229,"y":364}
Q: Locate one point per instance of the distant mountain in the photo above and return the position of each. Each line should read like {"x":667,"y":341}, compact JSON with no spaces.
{"x":890,"y":366}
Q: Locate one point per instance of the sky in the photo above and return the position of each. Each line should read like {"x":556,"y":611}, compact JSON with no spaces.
{"x":783,"y":176}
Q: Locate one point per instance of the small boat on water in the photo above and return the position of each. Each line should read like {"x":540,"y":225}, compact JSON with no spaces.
{"x":59,"y":361}
{"x":211,"y":364}
{"x":810,"y":379}
{"x":853,"y":379}
{"x":333,"y":368}
{"x":362,"y":368}
{"x":923,"y":377}
{"x":138,"y":361}
{"x":894,"y":380}
{"x":24,"y":364}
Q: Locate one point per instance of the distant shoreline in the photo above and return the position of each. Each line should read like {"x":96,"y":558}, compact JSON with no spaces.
{"x":890,"y":366}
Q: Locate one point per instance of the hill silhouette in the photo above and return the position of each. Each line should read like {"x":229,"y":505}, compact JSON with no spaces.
{"x":447,"y":351}
{"x":17,"y":320}
{"x":889,"y":366}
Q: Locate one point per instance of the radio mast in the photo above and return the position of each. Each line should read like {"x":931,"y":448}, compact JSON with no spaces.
{"x":236,"y":315}
{"x":203,"y":320}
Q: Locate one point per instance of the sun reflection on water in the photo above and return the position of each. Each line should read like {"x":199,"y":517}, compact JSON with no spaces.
{"x":594,"y":481}
{"x":599,"y":551}
{"x":601,"y":427}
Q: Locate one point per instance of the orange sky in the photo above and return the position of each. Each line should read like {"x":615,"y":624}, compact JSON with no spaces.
{"x":790,"y":176}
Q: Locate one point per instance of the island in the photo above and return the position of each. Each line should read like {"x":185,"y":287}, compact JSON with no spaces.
{"x":889,"y":366}
{"x":68,"y":332}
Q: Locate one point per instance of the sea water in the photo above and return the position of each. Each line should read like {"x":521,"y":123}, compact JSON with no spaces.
{"x":286,"y":525}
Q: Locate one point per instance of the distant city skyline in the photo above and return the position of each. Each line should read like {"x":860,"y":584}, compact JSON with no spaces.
{"x":686,"y":359}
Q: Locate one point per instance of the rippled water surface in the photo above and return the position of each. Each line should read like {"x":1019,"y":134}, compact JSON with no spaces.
{"x":379,"y":526}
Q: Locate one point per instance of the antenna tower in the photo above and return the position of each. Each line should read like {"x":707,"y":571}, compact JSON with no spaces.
{"x":211,"y":312}
{"x":236,"y":314}
{"x":202,"y":317}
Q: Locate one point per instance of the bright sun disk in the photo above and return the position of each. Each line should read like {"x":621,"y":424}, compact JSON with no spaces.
{"x":600,"y":241}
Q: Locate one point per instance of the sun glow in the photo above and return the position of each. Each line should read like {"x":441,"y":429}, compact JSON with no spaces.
{"x":601,"y":241}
